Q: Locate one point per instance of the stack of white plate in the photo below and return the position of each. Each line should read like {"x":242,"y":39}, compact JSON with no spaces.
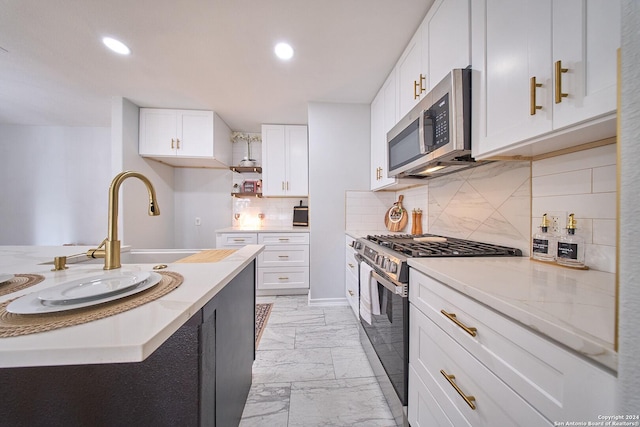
{"x":85,"y":292}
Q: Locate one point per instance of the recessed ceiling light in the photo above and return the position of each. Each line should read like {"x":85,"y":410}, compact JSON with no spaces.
{"x":116,"y":45}
{"x":284,"y":51}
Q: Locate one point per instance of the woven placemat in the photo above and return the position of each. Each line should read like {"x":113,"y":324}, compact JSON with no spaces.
{"x":19,"y":282}
{"x":12,"y":325}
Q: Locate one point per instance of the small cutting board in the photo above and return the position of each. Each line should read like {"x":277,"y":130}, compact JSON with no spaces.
{"x":212,"y":255}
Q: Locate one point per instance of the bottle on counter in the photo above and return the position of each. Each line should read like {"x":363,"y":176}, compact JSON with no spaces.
{"x":418,"y":221}
{"x":544,"y":243}
{"x":571,"y":246}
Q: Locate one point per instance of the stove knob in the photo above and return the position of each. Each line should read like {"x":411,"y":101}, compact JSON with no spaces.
{"x":385,"y":262}
{"x":392,"y":267}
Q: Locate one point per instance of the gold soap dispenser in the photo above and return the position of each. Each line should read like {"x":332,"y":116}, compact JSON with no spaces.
{"x":544,"y":243}
{"x":571,"y":246}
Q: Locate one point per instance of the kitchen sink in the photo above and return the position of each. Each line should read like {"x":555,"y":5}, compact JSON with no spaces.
{"x":138,"y":256}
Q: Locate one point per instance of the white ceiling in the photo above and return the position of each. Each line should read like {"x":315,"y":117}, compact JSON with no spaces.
{"x":196,"y":54}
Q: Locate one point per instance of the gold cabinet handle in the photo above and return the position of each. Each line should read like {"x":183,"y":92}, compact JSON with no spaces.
{"x":454,"y":319}
{"x":351,"y":265}
{"x":532,"y":97}
{"x":282,"y":185}
{"x":559,"y":72}
{"x":418,"y":87}
{"x":172,"y":143}
{"x":350,"y":292}
{"x":283,"y":239}
{"x":178,"y":143}
{"x":283,"y":278}
{"x":287,"y":185}
{"x":238,"y":240}
{"x":467,"y":398}
{"x":283,"y":256}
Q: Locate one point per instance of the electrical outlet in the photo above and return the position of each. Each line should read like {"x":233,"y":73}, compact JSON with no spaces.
{"x":557,"y":222}
{"x":198,"y":222}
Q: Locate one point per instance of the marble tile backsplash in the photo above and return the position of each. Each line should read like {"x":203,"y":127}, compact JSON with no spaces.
{"x":365,"y":210}
{"x":489,"y":203}
{"x":583,"y":183}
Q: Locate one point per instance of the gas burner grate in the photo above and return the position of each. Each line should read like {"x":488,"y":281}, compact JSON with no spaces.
{"x":452,"y":247}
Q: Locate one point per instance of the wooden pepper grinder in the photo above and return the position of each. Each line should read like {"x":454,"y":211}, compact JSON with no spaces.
{"x":417,"y":221}
{"x":414,"y":213}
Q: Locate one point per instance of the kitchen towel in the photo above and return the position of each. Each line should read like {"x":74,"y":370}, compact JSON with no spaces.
{"x":369,"y":299}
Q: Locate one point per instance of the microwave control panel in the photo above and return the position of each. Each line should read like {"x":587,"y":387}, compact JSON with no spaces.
{"x":436,"y":124}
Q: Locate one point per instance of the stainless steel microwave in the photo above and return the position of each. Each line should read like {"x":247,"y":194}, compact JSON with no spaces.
{"x":434,"y":138}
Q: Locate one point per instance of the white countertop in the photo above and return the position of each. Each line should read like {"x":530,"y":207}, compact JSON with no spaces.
{"x":274,"y":229}
{"x":127,"y":337}
{"x":574,"y":307}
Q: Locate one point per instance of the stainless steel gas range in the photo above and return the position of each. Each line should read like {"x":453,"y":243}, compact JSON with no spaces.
{"x":385,"y":322}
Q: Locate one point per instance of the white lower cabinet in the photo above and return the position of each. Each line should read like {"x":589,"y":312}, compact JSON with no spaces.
{"x":283,"y":265}
{"x":516,"y":377}
{"x":351,"y":276}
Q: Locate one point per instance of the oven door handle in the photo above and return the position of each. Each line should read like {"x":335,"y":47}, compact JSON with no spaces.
{"x":398,"y":290}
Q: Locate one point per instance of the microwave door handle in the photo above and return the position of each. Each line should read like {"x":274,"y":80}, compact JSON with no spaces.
{"x":423,"y":147}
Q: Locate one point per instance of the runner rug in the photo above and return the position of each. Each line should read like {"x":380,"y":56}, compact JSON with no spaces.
{"x":262,"y":315}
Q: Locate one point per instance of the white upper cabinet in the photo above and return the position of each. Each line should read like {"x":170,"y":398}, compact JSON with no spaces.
{"x":445,"y":40}
{"x":411,"y":73}
{"x":383,"y":118}
{"x":544,"y":74}
{"x":184,"y":137}
{"x":285,"y":160}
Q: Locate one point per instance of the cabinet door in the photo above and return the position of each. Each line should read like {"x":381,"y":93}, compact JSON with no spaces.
{"x":447,"y":38}
{"x":586,"y":36}
{"x":297,"y":161}
{"x":410,"y":75}
{"x":384,"y":116}
{"x":196,"y":134}
{"x":377,"y":142}
{"x":513,"y":47}
{"x":273,"y":160}
{"x":158,"y":132}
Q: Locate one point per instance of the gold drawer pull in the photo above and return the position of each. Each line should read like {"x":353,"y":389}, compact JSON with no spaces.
{"x":172,"y":144}
{"x":559,"y":72}
{"x":351,"y":265}
{"x":238,"y":240}
{"x":468,"y":399}
{"x":532,"y":97}
{"x":283,"y":278}
{"x":351,"y":292}
{"x":283,"y":256}
{"x":178,"y":143}
{"x":467,"y":329}
{"x":284,"y":239}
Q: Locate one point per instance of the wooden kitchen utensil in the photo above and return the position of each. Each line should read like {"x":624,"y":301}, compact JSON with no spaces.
{"x":396,"y":217}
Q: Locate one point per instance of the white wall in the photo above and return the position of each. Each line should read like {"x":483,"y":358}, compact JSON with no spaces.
{"x":137,"y":228}
{"x":205,"y":194}
{"x":54,"y":184}
{"x":339,"y":157}
{"x":629,"y":246}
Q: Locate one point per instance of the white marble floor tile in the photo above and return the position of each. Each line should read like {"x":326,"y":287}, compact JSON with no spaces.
{"x":294,"y":318}
{"x":339,"y":315}
{"x":351,"y":362}
{"x":293,"y":365}
{"x":267,"y":405}
{"x":282,"y":338}
{"x":347,"y":402}
{"x":327,"y":336}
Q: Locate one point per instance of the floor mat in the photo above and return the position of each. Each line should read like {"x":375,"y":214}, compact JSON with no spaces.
{"x":262,"y":315}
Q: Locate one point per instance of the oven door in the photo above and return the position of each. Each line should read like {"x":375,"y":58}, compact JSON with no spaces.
{"x":388,"y":333}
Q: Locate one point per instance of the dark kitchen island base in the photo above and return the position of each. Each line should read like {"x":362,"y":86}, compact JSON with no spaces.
{"x":200,"y":376}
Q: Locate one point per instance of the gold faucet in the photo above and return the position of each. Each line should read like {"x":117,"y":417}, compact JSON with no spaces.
{"x":111,"y":251}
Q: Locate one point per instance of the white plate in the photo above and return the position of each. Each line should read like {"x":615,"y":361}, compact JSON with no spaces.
{"x":4,"y":277}
{"x":96,"y":287}
{"x":31,"y":304}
